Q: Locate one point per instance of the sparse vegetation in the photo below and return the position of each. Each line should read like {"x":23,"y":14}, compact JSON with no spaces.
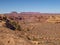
{"x":4,"y":18}
{"x":28,"y":38}
{"x":35,"y":32}
{"x":35,"y":39}
{"x":17,"y":26}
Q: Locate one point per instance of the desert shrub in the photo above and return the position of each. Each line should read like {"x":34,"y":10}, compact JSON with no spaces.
{"x":20,"y":18}
{"x":11,"y":18}
{"x":14,"y":24}
{"x":17,"y":26}
{"x":4,"y":18}
{"x":35,"y":39}
{"x":28,"y":38}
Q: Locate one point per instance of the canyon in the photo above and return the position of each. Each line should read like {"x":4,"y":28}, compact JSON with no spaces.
{"x":29,"y":28}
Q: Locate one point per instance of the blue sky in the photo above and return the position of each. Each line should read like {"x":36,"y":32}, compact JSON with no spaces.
{"x":43,"y":6}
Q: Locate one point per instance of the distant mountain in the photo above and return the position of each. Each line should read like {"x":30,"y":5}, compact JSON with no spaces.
{"x":30,"y":13}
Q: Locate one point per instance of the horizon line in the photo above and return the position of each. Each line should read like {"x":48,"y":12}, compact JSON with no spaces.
{"x":29,"y":12}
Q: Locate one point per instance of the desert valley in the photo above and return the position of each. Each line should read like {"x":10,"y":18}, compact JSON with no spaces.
{"x":29,"y":28}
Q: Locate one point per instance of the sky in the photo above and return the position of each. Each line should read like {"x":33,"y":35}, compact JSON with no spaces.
{"x":42,"y":6}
